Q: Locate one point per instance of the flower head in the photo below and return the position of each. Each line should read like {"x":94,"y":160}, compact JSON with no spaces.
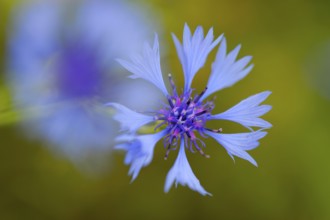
{"x":183,"y":119}
{"x":61,"y":60}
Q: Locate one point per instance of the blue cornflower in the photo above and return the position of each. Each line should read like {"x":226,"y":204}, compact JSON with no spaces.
{"x":62,"y":65}
{"x":184,"y":118}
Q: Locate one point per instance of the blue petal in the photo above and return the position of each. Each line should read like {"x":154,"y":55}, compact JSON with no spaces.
{"x":248,"y":111}
{"x":147,"y":66}
{"x":225,"y":70}
{"x":194,"y":51}
{"x":238,"y":144}
{"x":129,"y":119}
{"x":182,"y":173}
{"x":119,"y":26}
{"x":74,"y":131}
{"x":139,"y":149}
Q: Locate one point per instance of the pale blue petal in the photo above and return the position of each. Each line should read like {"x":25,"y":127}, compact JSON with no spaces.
{"x":194,"y":51}
{"x":182,"y":173}
{"x":140,"y":150}
{"x":238,"y":144}
{"x":120,"y":27}
{"x":225,"y":70}
{"x":248,"y":111}
{"x":147,"y":66}
{"x":129,"y":119}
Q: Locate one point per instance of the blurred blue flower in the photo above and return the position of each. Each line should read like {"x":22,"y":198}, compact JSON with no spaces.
{"x":61,"y":61}
{"x":185,"y":115}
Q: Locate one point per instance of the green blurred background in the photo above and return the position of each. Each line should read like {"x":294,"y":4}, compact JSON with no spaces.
{"x":293,"y":178}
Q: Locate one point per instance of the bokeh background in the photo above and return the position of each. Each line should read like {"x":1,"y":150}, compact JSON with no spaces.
{"x":289,"y":41}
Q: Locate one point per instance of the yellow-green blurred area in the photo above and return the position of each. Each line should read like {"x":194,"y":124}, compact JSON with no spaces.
{"x":293,"y":177}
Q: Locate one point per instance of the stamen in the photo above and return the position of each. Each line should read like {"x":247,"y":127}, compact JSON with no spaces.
{"x":174,"y":142}
{"x":191,"y":147}
{"x":167,"y":152}
{"x":156,"y":118}
{"x":215,"y":130}
{"x":200,"y":150}
{"x":158,"y":126}
{"x":184,"y":115}
{"x":201,"y":113}
{"x":169,"y":99}
{"x":188,"y":102}
{"x":200,"y":141}
{"x":200,"y":95}
{"x":172,"y":83}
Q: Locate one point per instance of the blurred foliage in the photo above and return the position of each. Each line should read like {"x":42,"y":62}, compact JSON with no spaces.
{"x":8,"y":114}
{"x":293,"y":179}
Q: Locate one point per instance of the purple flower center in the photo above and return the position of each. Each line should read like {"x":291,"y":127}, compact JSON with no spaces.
{"x":184,"y":115}
{"x":80,"y":73}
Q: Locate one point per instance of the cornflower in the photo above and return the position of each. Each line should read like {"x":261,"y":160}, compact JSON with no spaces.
{"x":183,"y":119}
